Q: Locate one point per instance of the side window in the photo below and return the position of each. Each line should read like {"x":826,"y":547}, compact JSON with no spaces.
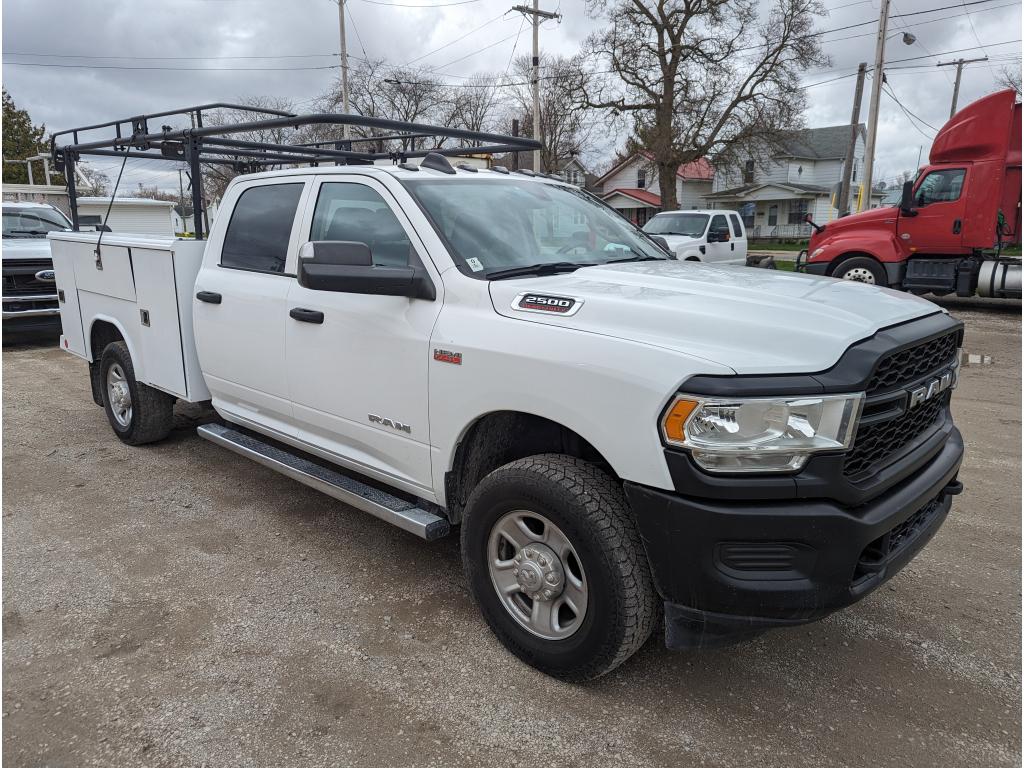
{"x":720,"y":227}
{"x":260,"y":228}
{"x":737,"y":229}
{"x":354,"y":212}
{"x":940,"y":187}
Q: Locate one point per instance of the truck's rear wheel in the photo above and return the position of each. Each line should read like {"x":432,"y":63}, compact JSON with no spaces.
{"x":556,"y":564}
{"x":137,"y":413}
{"x":861,"y":269}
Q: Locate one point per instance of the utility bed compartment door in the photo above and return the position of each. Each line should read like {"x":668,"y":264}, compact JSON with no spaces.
{"x":114,"y":279}
{"x":159,"y":326}
{"x":72,"y":335}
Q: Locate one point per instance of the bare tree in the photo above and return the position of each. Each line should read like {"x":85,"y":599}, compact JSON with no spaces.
{"x":702,"y":78}
{"x":566,"y":128}
{"x":91,"y":181}
{"x":216,"y":176}
{"x":1009,"y":78}
{"x":472,"y":105}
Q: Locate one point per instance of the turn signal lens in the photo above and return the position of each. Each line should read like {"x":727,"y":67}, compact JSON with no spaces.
{"x":675,"y":419}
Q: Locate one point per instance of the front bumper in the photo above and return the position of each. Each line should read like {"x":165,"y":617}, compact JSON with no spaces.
{"x":731,"y":569}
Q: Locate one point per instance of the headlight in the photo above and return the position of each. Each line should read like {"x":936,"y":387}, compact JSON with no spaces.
{"x":760,"y":434}
{"x":817,"y":252}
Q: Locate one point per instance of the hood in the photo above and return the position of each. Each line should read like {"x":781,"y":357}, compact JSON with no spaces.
{"x":682,"y":241}
{"x":751,"y":320}
{"x":860,"y":220}
{"x":26,"y":248}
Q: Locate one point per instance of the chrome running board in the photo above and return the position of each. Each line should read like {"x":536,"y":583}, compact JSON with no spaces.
{"x":381,"y":504}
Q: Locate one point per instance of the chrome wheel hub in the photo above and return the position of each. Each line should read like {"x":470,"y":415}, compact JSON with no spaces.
{"x":119,"y":395}
{"x":537,"y":574}
{"x":859,"y":275}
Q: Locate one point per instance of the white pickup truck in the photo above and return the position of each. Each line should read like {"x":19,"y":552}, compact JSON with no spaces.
{"x":618,"y":435}
{"x":712,"y":236}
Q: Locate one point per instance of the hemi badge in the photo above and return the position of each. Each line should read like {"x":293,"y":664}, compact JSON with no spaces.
{"x":547,"y":304}
{"x":445,"y":356}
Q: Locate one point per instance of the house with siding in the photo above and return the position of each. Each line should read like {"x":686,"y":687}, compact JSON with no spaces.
{"x":632,"y":188}
{"x":774,"y":198}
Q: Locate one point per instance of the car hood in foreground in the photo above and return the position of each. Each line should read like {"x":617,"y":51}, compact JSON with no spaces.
{"x":26,"y":248}
{"x":751,"y":320}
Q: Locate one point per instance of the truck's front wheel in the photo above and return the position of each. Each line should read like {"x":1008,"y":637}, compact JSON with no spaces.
{"x":138,"y":414}
{"x":556,"y":564}
{"x":861,"y":269}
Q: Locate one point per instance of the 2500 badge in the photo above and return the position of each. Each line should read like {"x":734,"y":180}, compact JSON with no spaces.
{"x":549,"y":305}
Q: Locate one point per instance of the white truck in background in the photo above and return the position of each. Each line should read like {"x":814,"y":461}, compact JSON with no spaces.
{"x":712,"y":236}
{"x":617,"y":435}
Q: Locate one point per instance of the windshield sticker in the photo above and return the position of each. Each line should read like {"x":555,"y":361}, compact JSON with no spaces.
{"x":474,"y":264}
{"x":549,"y":305}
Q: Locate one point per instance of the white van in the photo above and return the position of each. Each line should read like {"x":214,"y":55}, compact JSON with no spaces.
{"x":717,"y":237}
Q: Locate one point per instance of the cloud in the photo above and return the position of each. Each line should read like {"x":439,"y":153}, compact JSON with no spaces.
{"x":306,"y":31}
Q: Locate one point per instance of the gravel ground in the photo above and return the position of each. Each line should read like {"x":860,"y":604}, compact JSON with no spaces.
{"x":178,"y":605}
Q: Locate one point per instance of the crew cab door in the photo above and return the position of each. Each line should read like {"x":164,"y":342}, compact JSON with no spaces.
{"x":357,"y":363}
{"x":939,"y":205}
{"x":239,"y":308}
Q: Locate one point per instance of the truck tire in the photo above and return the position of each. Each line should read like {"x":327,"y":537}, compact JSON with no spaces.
{"x":861,"y":269}
{"x":555,"y":562}
{"x":137,"y":413}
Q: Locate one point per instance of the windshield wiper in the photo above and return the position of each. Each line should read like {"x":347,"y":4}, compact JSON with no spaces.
{"x":637,"y":256}
{"x":27,"y":231}
{"x":539,"y":270}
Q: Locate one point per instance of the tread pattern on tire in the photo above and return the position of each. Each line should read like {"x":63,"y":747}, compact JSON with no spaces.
{"x":152,"y":410}
{"x":608,"y":514}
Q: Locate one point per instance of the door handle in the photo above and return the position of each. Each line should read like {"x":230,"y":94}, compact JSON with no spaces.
{"x":307,"y":315}
{"x":956,"y":226}
{"x":732,"y":246}
{"x":209,"y":297}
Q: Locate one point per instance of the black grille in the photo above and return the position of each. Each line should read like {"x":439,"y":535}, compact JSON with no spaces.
{"x":901,"y":368}
{"x":20,"y":277}
{"x":877,"y":442}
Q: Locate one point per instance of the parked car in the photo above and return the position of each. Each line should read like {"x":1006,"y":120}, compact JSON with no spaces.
{"x":716,"y":237}
{"x":617,"y":434}
{"x":29,"y":290}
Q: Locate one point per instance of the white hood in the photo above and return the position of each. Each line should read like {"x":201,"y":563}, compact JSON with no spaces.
{"x":26,"y":248}
{"x":751,"y":320}
{"x":677,"y":242}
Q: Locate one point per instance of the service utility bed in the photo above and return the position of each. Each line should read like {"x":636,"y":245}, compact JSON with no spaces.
{"x":143,"y":286}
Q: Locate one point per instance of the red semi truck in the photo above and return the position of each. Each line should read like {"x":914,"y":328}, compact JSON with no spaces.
{"x":947,"y":234}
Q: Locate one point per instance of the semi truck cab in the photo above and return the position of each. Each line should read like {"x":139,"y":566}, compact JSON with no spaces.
{"x":948,"y":232}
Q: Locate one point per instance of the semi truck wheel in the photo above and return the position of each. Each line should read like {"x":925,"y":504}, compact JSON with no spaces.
{"x":555,"y":562}
{"x":861,"y":269}
{"x":138,"y":414}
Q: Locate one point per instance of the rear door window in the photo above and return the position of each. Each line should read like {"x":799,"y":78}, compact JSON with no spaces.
{"x":261,"y":228}
{"x":737,"y":228}
{"x":356,"y":213}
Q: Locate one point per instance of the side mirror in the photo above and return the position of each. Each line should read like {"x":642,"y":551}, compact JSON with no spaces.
{"x":907,"y":199}
{"x":347,"y":267}
{"x":717,"y":236}
{"x":662,"y":243}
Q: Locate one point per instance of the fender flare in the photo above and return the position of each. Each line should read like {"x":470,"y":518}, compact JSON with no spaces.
{"x":90,"y":352}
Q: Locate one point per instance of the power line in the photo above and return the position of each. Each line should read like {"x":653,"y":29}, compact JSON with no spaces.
{"x":167,"y":58}
{"x":910,"y":115}
{"x":456,"y":40}
{"x":474,"y":53}
{"x":433,"y":5}
{"x":165,"y":69}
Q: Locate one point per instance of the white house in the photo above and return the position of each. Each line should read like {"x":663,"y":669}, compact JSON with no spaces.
{"x":137,"y":215}
{"x":632,"y":187}
{"x":804,"y":179}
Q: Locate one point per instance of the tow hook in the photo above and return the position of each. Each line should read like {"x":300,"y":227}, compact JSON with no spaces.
{"x":953,"y":488}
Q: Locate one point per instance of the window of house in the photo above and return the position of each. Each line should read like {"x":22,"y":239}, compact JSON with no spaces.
{"x":748,"y":172}
{"x":940,"y":187}
{"x":773,"y":215}
{"x":641,"y":178}
{"x":354,"y":212}
{"x":260,"y":228}
{"x":797,"y":211}
{"x":747,"y":214}
{"x":854,"y":174}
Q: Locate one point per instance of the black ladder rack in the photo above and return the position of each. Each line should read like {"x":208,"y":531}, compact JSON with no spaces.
{"x":133,"y":137}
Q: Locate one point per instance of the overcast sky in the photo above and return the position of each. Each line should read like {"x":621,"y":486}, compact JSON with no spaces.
{"x":76,"y":79}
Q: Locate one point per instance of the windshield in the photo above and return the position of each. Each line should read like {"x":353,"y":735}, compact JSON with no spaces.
{"x":495,"y":225}
{"x":33,"y":222}
{"x":689,"y":224}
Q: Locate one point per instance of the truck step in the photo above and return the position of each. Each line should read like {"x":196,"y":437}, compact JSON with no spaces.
{"x":381,"y":504}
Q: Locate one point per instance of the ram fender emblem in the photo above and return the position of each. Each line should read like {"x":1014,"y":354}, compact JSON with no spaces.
{"x":927,"y":391}
{"x":375,"y":419}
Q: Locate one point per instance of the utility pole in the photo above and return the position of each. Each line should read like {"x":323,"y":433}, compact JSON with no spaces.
{"x":858,"y":95}
{"x":959,"y":64}
{"x":877,"y":76}
{"x":537,"y":15}
{"x":345,"y":131}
